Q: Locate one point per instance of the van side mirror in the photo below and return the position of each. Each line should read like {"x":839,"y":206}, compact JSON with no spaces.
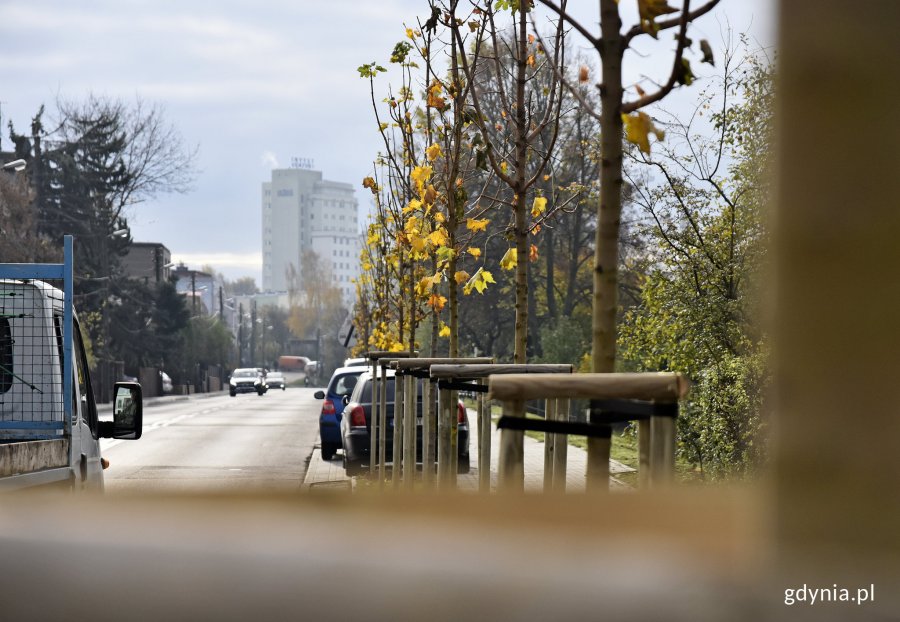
{"x":128,"y":413}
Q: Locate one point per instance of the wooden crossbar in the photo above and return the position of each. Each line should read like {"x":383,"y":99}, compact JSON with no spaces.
{"x":658,"y":387}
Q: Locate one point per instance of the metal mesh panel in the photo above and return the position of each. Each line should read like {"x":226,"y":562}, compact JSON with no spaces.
{"x":31,"y":376}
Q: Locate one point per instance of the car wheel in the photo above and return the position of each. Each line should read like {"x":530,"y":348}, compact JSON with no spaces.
{"x":462,"y":466}
{"x":328,"y":451}
{"x":353,"y":467}
{"x":232,"y":393}
{"x":283,"y":388}
{"x":260,"y":392}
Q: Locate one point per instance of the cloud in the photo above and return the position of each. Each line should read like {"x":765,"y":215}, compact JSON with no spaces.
{"x":248,"y":261}
{"x":269,"y":160}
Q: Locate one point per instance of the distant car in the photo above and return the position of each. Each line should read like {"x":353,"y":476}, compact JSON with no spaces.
{"x":339,"y":387}
{"x":166,"y":382}
{"x":356,"y":424}
{"x":274,"y":380}
{"x":247,"y":380}
{"x":355,"y":362}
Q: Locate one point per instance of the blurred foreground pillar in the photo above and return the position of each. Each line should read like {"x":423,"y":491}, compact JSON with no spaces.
{"x":837,"y":235}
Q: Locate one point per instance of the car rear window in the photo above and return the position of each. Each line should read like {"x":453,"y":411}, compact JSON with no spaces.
{"x":366,"y":397}
{"x":343,"y":385}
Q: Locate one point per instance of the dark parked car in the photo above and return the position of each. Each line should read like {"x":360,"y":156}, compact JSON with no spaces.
{"x":342,"y":382}
{"x":356,"y":426}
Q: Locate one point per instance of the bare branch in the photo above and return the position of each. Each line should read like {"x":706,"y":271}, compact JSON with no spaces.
{"x":677,"y":67}
{"x":670,"y":23}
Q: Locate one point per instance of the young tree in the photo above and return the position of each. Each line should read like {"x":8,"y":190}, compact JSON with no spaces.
{"x":514,"y":129}
{"x":617,"y":115}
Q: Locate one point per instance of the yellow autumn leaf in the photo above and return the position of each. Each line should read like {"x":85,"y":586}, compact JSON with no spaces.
{"x":420,"y":175}
{"x":478,"y":282}
{"x":510,"y":259}
{"x":439,"y":217}
{"x":533,"y":253}
{"x":649,"y":10}
{"x":461,"y":277}
{"x":503,"y":167}
{"x":445,"y":331}
{"x":438,"y":237}
{"x":474,"y":251}
{"x":434,"y":99}
{"x":540,"y":204}
{"x":474,"y":224}
{"x":423,"y":287}
{"x":437,"y":302}
{"x":433,"y":152}
{"x":412,"y":34}
{"x":373,"y":239}
{"x":638,"y":127}
{"x":416,"y":242}
{"x":429,"y":195}
{"x":412,"y":206}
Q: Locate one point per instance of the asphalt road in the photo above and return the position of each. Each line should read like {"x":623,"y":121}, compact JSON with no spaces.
{"x":218,"y":443}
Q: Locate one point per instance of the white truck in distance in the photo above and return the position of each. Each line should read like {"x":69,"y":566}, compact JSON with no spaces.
{"x":49,"y":427}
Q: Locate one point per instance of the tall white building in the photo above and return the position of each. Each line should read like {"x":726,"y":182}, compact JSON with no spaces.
{"x":303,"y":212}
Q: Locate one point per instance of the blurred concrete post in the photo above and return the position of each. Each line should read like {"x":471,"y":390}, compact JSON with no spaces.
{"x":837,"y":237}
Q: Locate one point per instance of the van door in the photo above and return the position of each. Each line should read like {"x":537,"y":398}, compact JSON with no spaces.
{"x":87,"y":461}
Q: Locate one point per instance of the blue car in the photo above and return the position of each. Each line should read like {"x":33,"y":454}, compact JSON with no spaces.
{"x":341,"y":385}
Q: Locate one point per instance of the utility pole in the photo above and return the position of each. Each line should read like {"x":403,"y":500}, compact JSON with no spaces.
{"x":253,"y":334}
{"x":193,"y":293}
{"x":262,"y":354}
{"x":241,"y":334}
{"x":221,"y":305}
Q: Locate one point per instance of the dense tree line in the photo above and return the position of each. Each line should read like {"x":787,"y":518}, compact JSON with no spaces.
{"x":87,"y":167}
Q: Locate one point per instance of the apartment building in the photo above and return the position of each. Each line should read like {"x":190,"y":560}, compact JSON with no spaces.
{"x":303,"y":212}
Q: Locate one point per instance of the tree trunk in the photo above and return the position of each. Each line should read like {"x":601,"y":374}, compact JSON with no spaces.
{"x":521,"y":221}
{"x":549,"y":254}
{"x":606,"y":257}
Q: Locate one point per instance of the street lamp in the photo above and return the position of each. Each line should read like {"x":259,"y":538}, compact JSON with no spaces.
{"x":14,"y":166}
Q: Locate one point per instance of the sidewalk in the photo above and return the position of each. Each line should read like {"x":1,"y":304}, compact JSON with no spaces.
{"x":330,"y":475}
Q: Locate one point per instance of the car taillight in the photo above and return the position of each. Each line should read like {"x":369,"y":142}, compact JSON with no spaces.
{"x":327,"y":407}
{"x":358,"y":416}
{"x":460,"y":413}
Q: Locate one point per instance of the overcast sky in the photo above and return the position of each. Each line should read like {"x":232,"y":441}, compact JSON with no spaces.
{"x":251,"y":83}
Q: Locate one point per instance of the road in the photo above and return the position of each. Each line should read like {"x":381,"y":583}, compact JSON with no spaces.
{"x":218,"y":443}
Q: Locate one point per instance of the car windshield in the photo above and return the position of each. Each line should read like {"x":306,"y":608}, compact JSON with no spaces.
{"x":274,"y":374}
{"x":244,"y":373}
